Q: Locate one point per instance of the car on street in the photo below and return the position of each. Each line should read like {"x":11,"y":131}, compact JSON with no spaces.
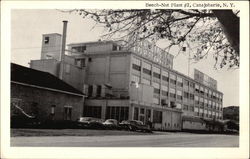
{"x":90,"y":123}
{"x":134,"y":125}
{"x":111,"y":124}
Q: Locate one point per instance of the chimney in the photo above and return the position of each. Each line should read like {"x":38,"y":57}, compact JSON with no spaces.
{"x":63,"y":48}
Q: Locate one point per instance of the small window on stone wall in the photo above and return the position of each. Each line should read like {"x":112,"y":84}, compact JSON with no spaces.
{"x":67,"y":112}
{"x":53,"y":109}
{"x":46,"y":40}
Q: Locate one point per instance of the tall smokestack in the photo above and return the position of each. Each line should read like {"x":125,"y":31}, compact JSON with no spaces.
{"x":63,"y":48}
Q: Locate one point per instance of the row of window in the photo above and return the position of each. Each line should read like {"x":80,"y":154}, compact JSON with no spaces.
{"x":209,"y":116}
{"x":209,"y":95}
{"x":173,"y":79}
{"x":165,"y":92}
{"x":188,"y":108}
{"x":186,"y":94}
{"x":118,"y":113}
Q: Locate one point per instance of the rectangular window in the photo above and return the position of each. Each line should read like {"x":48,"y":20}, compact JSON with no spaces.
{"x":53,"y":109}
{"x":172,"y":92}
{"x":196,"y":98}
{"x":98,"y":90}
{"x":136,"y":67}
{"x":116,"y":48}
{"x":135,"y":79}
{"x":46,"y":40}
{"x":90,"y":90}
{"x":156,"y":75}
{"x":172,"y":95}
{"x":172,"y":104}
{"x":186,"y":94}
{"x":148,"y":114}
{"x":142,"y":111}
{"x":118,"y":113}
{"x":172,"y":81}
{"x":80,"y":63}
{"x":164,"y":78}
{"x":186,"y":83}
{"x":67,"y":112}
{"x":156,"y":91}
{"x":157,"y":116}
{"x":146,"y":71}
{"x":164,"y":93}
{"x":179,"y":95}
{"x":179,"y":84}
{"x":164,"y":102}
{"x":191,"y":96}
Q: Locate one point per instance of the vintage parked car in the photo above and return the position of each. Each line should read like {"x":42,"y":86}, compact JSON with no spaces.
{"x":90,"y":123}
{"x":134,"y":125}
{"x":111,"y":124}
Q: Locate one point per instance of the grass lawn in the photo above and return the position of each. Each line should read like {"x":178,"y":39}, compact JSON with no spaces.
{"x":70,"y":132}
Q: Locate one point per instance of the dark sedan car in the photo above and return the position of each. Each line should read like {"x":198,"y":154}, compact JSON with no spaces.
{"x":134,"y":125}
{"x":90,"y":122}
{"x":110,"y":124}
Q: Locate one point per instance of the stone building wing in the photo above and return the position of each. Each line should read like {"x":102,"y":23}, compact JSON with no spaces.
{"x":33,"y":77}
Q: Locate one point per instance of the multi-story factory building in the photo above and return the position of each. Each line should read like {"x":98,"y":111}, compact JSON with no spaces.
{"x":137,"y":83}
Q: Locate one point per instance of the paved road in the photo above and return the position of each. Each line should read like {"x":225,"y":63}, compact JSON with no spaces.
{"x":166,"y":140}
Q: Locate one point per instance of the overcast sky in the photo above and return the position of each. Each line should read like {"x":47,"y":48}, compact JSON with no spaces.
{"x":27,"y":27}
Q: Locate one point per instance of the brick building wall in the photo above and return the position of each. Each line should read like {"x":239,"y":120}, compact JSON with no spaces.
{"x":40,"y":101}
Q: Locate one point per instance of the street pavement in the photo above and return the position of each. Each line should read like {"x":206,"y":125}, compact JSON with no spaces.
{"x":155,"y":140}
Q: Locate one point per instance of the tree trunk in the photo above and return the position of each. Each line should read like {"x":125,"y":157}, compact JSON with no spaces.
{"x":231,"y":26}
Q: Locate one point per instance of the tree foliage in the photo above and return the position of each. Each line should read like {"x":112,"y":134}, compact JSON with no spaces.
{"x":198,"y":31}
